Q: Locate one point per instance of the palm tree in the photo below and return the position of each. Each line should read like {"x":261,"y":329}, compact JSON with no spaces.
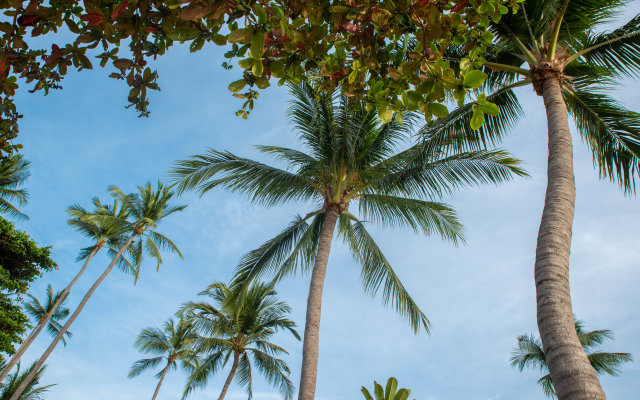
{"x":39,"y":312}
{"x":352,"y":159}
{"x":529,"y":353}
{"x":14,"y":171}
{"x":239,"y":327}
{"x":145,"y":209}
{"x":32,"y":390}
{"x":106,"y":231}
{"x":170,"y":344}
{"x":555,"y":46}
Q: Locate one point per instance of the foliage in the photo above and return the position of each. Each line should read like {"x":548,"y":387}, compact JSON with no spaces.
{"x":359,"y":45}
{"x":171,"y":345}
{"x":390,"y":392}
{"x":38,"y":311}
{"x":240,"y":325}
{"x":21,"y":262}
{"x":353,"y":160}
{"x":14,"y":171}
{"x":529,"y":354}
{"x":33,"y":391}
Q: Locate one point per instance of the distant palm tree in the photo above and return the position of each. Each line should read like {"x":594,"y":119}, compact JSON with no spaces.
{"x":353,"y":158}
{"x":145,"y":209}
{"x":107,"y":231}
{"x":171,"y":344}
{"x":39,"y":312}
{"x":239,"y":328}
{"x":529,"y":353}
{"x":32,"y":391}
{"x":14,"y":171}
{"x":559,"y":48}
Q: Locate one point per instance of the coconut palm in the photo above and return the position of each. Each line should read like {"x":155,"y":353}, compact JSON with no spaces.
{"x":556,"y":47}
{"x":39,"y":312}
{"x":529,"y":354}
{"x":353,"y":158}
{"x":239,"y":327}
{"x":32,"y":391}
{"x":107,"y":231}
{"x":14,"y":171}
{"x":145,"y":209}
{"x":172,"y":344}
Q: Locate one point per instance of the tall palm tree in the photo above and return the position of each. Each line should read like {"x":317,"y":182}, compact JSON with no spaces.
{"x":14,"y":171}
{"x":33,"y":390}
{"x":108,"y":230}
{"x":352,"y":159}
{"x":529,"y":353}
{"x":172,"y":344}
{"x":239,"y":327}
{"x":556,"y":47}
{"x":146,"y":208}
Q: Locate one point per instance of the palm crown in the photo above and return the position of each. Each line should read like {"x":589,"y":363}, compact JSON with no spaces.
{"x":529,"y":354}
{"x":560,"y":39}
{"x":33,"y":389}
{"x":239,"y":326}
{"x":39,"y":311}
{"x":352,"y":159}
{"x":14,"y":171}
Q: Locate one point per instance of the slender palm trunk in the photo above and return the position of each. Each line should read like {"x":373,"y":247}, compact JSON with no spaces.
{"x":56,"y":340}
{"x":164,"y":373}
{"x":34,"y":334}
{"x":573,"y":376}
{"x":236,"y":361}
{"x":314,"y":305}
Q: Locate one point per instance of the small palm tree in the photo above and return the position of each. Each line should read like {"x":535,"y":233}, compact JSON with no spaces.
{"x":14,"y":171}
{"x":389,"y":392}
{"x":32,"y":390}
{"x":239,"y":328}
{"x":353,"y":160}
{"x":39,"y":312}
{"x":145,"y":209}
{"x":107,"y":231}
{"x":172,"y":344}
{"x":558,"y":48}
{"x":529,"y":354}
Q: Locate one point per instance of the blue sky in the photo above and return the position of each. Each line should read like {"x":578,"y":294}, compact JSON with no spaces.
{"x":479,"y":296}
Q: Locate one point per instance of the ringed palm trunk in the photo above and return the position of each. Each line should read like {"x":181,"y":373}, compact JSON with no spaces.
{"x":236,"y":361}
{"x":164,"y":373}
{"x":56,"y":340}
{"x":32,"y":336}
{"x":573,"y":376}
{"x":310,"y":343}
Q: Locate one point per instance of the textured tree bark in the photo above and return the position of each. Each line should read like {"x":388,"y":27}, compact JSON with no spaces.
{"x":34,"y":334}
{"x":572,"y":375}
{"x":227,"y":383}
{"x":164,"y":372}
{"x":310,"y":343}
{"x":56,"y":340}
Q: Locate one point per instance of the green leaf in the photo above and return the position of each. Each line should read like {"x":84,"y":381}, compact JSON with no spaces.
{"x":477,"y":119}
{"x":257,"y":45}
{"x":239,"y":35}
{"x":257,"y":68}
{"x":237,"y":86}
{"x":474,"y":79}
{"x":490,"y":108}
{"x":439,"y":110}
{"x":246,"y":63}
{"x":385,"y":114}
{"x":277,"y":69}
{"x":183,"y":34}
{"x":196,"y":45}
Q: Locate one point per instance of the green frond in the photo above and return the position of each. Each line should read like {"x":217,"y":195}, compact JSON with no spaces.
{"x":424,"y":216}
{"x":14,"y":171}
{"x":547,"y":386}
{"x":207,"y":367}
{"x":141,"y":366}
{"x":377,"y":272}
{"x":612,"y":132}
{"x":609,"y":363}
{"x":528,"y":354}
{"x":275,"y":371}
{"x":244,"y":374}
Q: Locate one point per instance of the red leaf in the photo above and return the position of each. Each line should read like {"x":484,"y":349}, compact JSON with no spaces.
{"x":152,"y":29}
{"x":339,"y":74}
{"x":351,"y":27}
{"x":55,"y":54}
{"x":93,"y":19}
{"x":118,"y":11}
{"x":32,"y":7}
{"x":460,"y":5}
{"x":142,"y":63}
{"x":422,"y":3}
{"x":28,"y":19}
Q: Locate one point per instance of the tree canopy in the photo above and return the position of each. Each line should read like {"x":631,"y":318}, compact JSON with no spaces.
{"x":359,"y":45}
{"x":21,"y":262}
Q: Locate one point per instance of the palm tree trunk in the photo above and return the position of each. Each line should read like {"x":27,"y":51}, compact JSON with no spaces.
{"x":164,"y":372}
{"x":310,"y":343}
{"x":236,"y":361}
{"x":56,"y":340}
{"x":573,"y":376}
{"x":34,"y":334}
